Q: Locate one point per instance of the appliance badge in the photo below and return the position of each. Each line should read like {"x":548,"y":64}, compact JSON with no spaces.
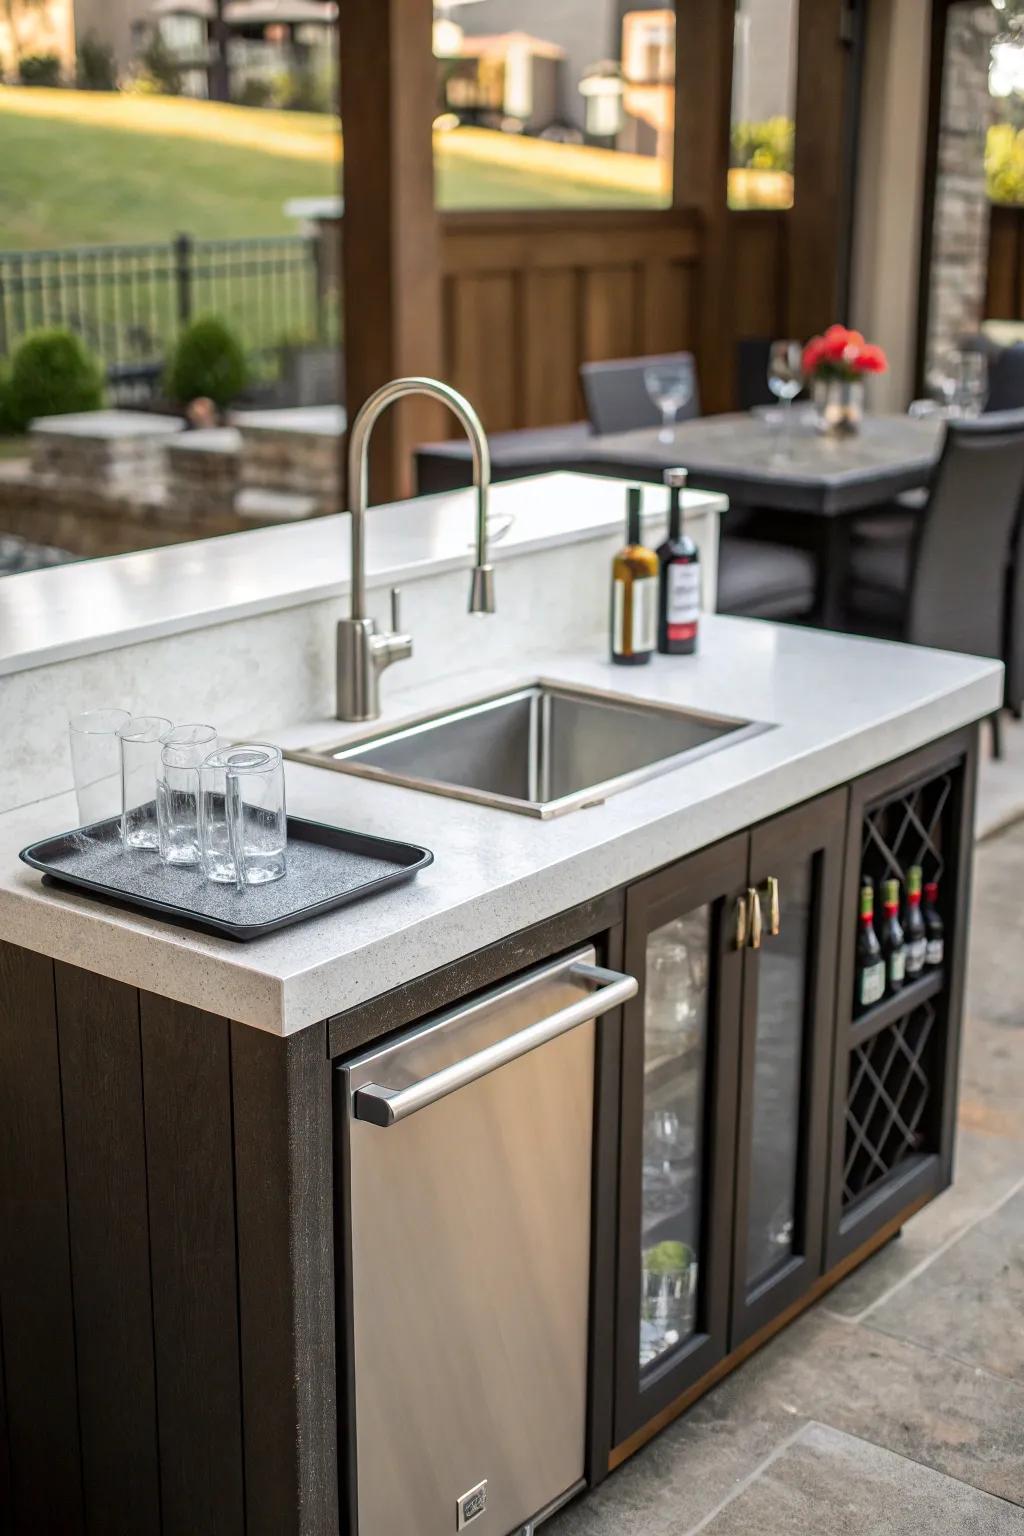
{"x":472,"y":1505}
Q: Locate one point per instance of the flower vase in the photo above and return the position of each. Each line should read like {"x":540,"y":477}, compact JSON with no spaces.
{"x":839,"y":406}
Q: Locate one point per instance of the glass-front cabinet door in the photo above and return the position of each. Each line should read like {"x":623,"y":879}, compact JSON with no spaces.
{"x":785,"y":1060}
{"x":678,"y":1126}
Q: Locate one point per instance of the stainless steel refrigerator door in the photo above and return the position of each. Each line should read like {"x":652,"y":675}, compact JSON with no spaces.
{"x":470,"y":1263}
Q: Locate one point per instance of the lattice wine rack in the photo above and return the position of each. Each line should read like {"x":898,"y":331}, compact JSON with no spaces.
{"x":889,"y":1096}
{"x":895,"y":1058}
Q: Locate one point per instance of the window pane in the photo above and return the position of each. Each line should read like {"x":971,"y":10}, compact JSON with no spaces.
{"x":554,"y":103}
{"x":675,"y":1045}
{"x":763,"y":104}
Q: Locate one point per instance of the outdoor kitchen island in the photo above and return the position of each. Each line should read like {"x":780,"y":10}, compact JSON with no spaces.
{"x":262,"y":1273}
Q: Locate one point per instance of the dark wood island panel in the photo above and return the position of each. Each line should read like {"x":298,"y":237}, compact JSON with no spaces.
{"x":166,"y":1266}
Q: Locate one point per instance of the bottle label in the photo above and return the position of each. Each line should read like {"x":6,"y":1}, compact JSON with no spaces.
{"x":935,"y":951}
{"x":872,"y":984}
{"x":916,"y":955}
{"x":644,"y":627}
{"x":897,"y":967}
{"x":683,"y":599}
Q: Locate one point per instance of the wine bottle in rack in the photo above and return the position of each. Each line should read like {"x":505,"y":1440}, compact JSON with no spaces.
{"x":914,"y":925}
{"x":894,"y":944}
{"x":870,"y":984}
{"x":936,"y":943}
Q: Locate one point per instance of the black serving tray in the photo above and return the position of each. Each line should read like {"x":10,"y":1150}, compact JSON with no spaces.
{"x":327,"y":868}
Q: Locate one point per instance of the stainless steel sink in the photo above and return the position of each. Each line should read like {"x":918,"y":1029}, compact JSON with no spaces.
{"x":541,"y":750}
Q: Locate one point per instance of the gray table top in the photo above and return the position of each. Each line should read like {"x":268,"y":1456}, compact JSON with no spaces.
{"x":804,"y":471}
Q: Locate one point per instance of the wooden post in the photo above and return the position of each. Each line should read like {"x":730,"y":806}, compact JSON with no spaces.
{"x":704,"y":47}
{"x":820,"y":223}
{"x":391,"y":255}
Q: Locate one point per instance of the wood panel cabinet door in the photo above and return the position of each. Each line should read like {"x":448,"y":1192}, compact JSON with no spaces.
{"x":680,"y":1046}
{"x":788,"y":1029}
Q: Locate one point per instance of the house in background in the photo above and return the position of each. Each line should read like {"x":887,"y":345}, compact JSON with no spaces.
{"x":115,"y":23}
{"x":44,"y":26}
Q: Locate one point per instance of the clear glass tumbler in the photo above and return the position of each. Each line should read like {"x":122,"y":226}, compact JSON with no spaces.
{"x":243,"y":824}
{"x":140,"y":761}
{"x":96,"y":762}
{"x":177,"y":791}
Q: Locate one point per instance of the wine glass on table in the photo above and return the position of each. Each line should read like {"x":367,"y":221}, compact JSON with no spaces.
{"x":786,"y":376}
{"x":670,"y":387}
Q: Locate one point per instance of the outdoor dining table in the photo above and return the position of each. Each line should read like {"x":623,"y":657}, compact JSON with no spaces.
{"x":804,"y":485}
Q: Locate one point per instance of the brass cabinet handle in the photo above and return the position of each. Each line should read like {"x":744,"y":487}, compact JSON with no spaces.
{"x":774,"y":910}
{"x":741,"y":922}
{"x":754,"y":908}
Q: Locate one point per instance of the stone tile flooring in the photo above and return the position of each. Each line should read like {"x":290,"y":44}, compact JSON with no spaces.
{"x":894,"y":1407}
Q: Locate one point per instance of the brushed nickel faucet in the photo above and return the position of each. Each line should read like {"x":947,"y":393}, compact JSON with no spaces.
{"x":364,"y":652}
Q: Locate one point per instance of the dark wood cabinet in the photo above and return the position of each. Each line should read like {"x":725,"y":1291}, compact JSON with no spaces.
{"x":785,"y":1062}
{"x":677,"y":1132}
{"x":727,"y":1054}
{"x":895,"y":1068}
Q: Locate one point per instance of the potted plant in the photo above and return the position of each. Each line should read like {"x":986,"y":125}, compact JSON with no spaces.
{"x":835,"y":367}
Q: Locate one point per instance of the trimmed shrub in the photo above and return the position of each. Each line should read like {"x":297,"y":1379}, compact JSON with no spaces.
{"x":209,"y":362}
{"x":39,"y":69}
{"x":52,"y":373}
{"x":96,"y":68}
{"x":159,"y":72}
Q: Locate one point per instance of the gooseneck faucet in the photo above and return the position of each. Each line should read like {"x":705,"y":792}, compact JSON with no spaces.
{"x":364,"y":652}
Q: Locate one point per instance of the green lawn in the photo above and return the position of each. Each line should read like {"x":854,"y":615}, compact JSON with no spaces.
{"x":78,"y":168}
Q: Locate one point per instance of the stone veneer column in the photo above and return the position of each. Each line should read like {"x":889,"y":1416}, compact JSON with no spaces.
{"x":961,"y":216}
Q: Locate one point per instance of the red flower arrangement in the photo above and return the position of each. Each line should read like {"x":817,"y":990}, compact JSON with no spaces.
{"x":842,"y":354}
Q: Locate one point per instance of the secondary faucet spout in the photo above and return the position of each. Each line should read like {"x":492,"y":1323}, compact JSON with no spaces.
{"x":363,"y":653}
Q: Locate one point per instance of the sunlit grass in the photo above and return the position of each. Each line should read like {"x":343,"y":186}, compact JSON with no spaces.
{"x":81,"y":167}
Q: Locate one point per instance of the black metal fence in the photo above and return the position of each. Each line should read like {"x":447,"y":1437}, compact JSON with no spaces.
{"x":128,"y":302}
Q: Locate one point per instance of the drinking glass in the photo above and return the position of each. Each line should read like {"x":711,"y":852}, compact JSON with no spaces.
{"x":177,"y":791}
{"x":670,"y":386}
{"x":243,"y":825}
{"x":786,"y":377}
{"x":96,"y":762}
{"x":140,"y":758}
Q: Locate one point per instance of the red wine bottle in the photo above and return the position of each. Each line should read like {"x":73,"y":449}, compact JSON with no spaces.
{"x":936,"y":946}
{"x":678,"y":578}
{"x":894,"y":947}
{"x":914,"y":925}
{"x":870,"y":984}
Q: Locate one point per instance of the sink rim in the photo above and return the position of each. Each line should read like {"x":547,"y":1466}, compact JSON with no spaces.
{"x":342,"y":756}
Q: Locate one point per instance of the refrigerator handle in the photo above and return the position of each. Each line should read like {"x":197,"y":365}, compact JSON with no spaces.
{"x":386,"y":1106}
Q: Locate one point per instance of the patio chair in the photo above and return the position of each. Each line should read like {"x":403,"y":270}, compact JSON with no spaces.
{"x":761,"y":580}
{"x":945,"y":583}
{"x":617,"y":398}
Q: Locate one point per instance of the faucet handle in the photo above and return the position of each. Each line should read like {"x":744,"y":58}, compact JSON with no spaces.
{"x":396,"y":610}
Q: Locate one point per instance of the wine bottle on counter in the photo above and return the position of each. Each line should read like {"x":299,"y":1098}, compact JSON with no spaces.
{"x":894,"y":945}
{"x":634,"y":593}
{"x":678,"y":578}
{"x":870,"y":965}
{"x":914,"y":926}
{"x":936,"y":945}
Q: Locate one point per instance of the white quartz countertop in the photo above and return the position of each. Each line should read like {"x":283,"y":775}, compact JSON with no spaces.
{"x":839,"y":707}
{"x":80,"y":609}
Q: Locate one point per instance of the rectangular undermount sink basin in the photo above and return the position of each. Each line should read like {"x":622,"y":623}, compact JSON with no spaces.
{"x":540,"y":750}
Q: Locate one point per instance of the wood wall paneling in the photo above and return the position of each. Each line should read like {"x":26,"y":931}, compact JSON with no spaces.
{"x":187,"y":1084}
{"x":1004,"y":298}
{"x":104,"y":1131}
{"x":285,"y":1189}
{"x":35,"y":1270}
{"x":530,"y":296}
{"x":759,"y":273}
{"x":550,"y":341}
